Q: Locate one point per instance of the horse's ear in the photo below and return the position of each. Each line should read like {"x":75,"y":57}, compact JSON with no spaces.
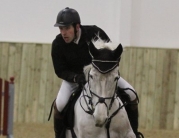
{"x":92,"y":50}
{"x":118,"y":51}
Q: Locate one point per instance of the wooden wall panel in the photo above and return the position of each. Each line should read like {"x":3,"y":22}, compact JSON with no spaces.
{"x":151,"y":88}
{"x":176,"y":100}
{"x":171,"y":87}
{"x":36,"y":79}
{"x":23,"y":83}
{"x":4,"y":60}
{"x":158,"y":88}
{"x":138,"y":72}
{"x":153,"y":72}
{"x":17,"y":74}
{"x":144,"y":90}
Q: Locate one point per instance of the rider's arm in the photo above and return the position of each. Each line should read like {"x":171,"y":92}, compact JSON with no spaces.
{"x":59,"y":63}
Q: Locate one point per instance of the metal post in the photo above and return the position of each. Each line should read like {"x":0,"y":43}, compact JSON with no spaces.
{"x":0,"y":104}
{"x":5,"y":109}
{"x":10,"y":108}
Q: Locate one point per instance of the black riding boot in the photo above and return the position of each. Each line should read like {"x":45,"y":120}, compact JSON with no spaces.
{"x":58,"y":123}
{"x":132,"y":111}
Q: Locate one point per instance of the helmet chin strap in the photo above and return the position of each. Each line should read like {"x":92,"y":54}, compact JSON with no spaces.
{"x":76,"y":33}
{"x":76,"y":37}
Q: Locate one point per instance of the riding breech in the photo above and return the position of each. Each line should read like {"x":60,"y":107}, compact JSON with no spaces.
{"x":67,"y":88}
{"x":124,"y":84}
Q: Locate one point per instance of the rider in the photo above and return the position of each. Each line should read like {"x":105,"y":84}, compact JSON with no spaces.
{"x":69,"y":55}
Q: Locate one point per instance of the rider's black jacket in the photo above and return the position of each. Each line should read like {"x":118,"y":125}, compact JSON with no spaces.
{"x":70,"y":58}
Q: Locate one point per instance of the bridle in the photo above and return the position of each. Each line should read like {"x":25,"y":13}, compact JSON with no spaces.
{"x":108,"y":70}
{"x":101,"y":100}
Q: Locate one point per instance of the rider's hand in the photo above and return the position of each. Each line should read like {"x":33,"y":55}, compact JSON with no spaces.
{"x":80,"y":79}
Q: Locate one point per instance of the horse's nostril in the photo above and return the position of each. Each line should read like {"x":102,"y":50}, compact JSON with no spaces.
{"x":98,"y":125}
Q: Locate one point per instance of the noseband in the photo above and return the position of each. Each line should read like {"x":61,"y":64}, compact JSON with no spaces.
{"x":101,"y":100}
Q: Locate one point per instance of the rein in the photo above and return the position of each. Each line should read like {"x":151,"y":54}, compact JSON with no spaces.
{"x":91,"y":110}
{"x":101,"y":100}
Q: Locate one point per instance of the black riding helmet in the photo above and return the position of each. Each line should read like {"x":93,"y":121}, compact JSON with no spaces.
{"x":67,"y":16}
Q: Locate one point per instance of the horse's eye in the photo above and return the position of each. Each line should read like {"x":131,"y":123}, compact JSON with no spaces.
{"x":91,"y":76}
{"x":116,"y":78}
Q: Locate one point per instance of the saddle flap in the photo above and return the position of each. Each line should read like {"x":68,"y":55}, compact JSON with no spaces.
{"x":68,"y":111}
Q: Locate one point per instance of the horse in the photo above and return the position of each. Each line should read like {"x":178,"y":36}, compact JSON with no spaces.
{"x":99,"y":112}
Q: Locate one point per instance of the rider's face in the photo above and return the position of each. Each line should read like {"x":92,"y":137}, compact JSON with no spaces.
{"x":67,"y":33}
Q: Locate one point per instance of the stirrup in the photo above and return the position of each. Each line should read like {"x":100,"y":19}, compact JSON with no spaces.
{"x":139,"y":135}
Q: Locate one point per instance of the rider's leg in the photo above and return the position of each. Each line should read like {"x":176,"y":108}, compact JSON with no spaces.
{"x":66,"y":89}
{"x":58,"y":122}
{"x":132,"y":107}
{"x":132,"y":111}
{"x":124,"y":84}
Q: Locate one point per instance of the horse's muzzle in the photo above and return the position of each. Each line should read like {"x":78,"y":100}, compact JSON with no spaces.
{"x":99,"y":125}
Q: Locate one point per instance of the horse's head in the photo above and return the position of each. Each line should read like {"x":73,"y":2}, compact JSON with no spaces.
{"x":102,"y":76}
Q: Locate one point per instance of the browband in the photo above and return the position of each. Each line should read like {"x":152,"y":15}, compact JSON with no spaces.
{"x":103,"y":69}
{"x":103,"y":60}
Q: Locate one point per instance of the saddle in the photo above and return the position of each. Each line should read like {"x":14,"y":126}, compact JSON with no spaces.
{"x":123,"y":95}
{"x":68,"y":113}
